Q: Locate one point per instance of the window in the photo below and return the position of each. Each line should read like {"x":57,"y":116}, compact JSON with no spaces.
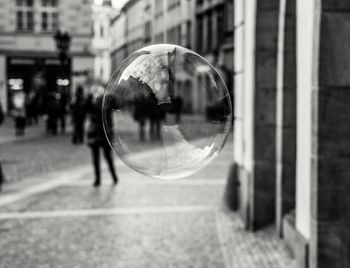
{"x":159,"y":38}
{"x":158,"y":8}
{"x":209,"y":32}
{"x":148,"y":32}
{"x":24,"y":15}
{"x":200,"y":33}
{"x":229,"y":25}
{"x":179,"y":35}
{"x":188,"y":34}
{"x":173,"y":4}
{"x":102,"y":31}
{"x":49,"y":15}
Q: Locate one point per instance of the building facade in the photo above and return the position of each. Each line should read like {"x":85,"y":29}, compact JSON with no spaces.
{"x":214,"y":30}
{"x":173,"y":22}
{"x":291,"y":144}
{"x":118,"y":40}
{"x":142,"y":23}
{"x":27,"y":47}
{"x":101,"y":42}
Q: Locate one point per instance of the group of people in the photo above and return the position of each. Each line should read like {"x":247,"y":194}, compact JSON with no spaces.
{"x":83,"y":107}
{"x":148,"y":108}
{"x":27,"y":107}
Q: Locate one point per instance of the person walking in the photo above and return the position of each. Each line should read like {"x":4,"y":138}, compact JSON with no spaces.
{"x":78,"y":116}
{"x":19,"y":112}
{"x":53,"y":111}
{"x":96,"y":137}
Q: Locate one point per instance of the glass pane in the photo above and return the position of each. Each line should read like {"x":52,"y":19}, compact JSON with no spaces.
{"x":49,"y":3}
{"x":19,"y":20}
{"x":29,"y":3}
{"x":54,"y":21}
{"x":30,"y":21}
{"x":44,"y":20}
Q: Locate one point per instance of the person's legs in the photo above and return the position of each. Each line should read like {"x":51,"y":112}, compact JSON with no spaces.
{"x":152,"y":129}
{"x":158,"y":129}
{"x":63,"y":123}
{"x":75,"y":132}
{"x":96,"y":162}
{"x":108,"y":155}
{"x":54,"y":122}
{"x":80,"y":131}
{"x":142,"y":129}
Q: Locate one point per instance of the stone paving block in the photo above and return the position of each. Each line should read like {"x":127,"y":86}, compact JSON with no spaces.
{"x":336,"y":5}
{"x":289,"y":145}
{"x":333,"y":126}
{"x":265,"y":107}
{"x":245,"y":249}
{"x":266,"y":68}
{"x":268,"y":5}
{"x":330,"y":190}
{"x":289,"y":107}
{"x":334,"y":64}
{"x":265,"y":143}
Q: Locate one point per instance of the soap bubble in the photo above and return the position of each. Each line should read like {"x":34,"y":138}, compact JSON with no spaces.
{"x":166,"y":111}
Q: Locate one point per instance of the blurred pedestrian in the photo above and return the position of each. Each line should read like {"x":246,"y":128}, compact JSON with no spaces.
{"x":2,"y":118}
{"x":32,"y":104}
{"x":140,"y":105}
{"x":63,"y":103}
{"x":78,"y":115}
{"x":177,"y":108}
{"x":53,"y":108}
{"x":2,"y":115}
{"x":19,"y":112}
{"x":96,"y":137}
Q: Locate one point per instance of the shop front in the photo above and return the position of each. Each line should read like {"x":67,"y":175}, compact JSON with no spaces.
{"x":36,"y":77}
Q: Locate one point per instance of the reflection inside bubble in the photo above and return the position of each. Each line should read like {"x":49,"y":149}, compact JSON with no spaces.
{"x":171,"y":111}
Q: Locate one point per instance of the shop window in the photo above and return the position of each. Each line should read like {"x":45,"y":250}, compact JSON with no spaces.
{"x":49,"y":15}
{"x":24,"y":15}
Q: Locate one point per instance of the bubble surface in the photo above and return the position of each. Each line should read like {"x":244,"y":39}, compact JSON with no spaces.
{"x":167,"y":111}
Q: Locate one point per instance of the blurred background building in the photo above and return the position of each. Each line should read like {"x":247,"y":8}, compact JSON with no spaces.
{"x":203,"y":26}
{"x":27,"y":46}
{"x":101,"y":42}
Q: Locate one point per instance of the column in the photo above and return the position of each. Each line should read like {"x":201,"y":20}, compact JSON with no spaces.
{"x":263,"y":178}
{"x":286,"y":112}
{"x":256,"y":30}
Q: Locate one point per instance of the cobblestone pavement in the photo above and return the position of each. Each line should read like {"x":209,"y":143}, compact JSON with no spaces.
{"x":61,"y":221}
{"x":38,"y":153}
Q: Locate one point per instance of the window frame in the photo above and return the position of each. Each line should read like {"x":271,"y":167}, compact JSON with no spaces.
{"x":52,"y":15}
{"x":26,"y":9}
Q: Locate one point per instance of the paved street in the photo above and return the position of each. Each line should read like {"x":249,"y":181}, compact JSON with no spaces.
{"x":53,"y":217}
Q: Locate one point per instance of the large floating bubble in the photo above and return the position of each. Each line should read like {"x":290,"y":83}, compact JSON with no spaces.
{"x":166,"y":111}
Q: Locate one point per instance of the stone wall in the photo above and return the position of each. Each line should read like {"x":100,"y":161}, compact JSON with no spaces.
{"x":330,"y":237}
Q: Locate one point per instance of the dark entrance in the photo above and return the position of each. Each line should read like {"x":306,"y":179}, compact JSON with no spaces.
{"x":37,"y":74}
